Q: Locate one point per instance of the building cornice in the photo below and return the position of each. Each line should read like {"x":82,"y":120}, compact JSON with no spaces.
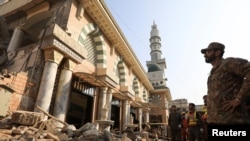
{"x":99,"y":12}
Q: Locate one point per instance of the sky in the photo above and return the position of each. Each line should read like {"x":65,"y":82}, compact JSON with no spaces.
{"x":185,"y":27}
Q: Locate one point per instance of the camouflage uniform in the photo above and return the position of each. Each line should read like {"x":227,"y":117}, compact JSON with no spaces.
{"x":224,"y":83}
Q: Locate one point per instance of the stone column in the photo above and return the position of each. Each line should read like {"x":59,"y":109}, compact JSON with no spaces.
{"x":103,"y":110}
{"x":140,"y":118}
{"x":63,"y":91}
{"x":15,"y":42}
{"x":125,"y":113}
{"x":95,"y":104}
{"x":53,"y":59}
{"x":128,"y":112}
{"x":147,"y":117}
{"x":108,"y":102}
{"x":102,"y":113}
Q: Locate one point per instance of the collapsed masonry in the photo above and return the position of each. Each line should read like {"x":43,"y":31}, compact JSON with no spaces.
{"x":31,"y":126}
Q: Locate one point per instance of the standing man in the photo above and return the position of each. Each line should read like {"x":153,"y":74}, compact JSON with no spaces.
{"x":194,"y":124}
{"x":184,"y":126}
{"x":174,"y":122}
{"x":204,"y":118}
{"x":228,"y":85}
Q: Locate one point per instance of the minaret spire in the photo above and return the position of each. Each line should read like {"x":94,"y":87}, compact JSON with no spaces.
{"x":157,"y":65}
{"x":155,"y":43}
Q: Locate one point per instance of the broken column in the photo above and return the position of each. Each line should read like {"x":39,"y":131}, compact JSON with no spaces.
{"x":15,"y":42}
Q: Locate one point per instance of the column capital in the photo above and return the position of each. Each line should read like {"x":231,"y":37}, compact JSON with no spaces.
{"x":69,"y":64}
{"x":103,"y":90}
{"x":53,"y":55}
{"x":140,"y":110}
{"x":109,"y":91}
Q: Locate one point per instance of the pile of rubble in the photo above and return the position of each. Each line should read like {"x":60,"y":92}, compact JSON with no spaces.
{"x":29,"y":126}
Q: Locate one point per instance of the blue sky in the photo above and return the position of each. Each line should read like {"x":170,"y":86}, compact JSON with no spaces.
{"x":185,"y":26}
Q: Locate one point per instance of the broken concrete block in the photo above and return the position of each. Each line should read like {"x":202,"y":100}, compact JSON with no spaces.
{"x":26,"y":117}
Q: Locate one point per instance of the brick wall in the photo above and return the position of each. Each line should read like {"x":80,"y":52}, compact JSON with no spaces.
{"x":19,"y":83}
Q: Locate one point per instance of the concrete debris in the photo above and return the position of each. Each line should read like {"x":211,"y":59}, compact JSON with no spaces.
{"x":26,"y":118}
{"x":30,"y":126}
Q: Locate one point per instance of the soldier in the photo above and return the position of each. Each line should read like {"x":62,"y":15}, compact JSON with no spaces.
{"x":228,"y":85}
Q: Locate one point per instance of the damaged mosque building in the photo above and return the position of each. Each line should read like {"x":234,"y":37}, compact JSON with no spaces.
{"x":71,"y":59}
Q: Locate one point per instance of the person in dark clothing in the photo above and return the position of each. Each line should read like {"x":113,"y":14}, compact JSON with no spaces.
{"x":174,"y":122}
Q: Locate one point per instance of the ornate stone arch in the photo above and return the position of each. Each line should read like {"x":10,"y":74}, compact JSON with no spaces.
{"x":122,"y":73}
{"x":136,"y":86}
{"x":115,"y":68}
{"x":90,"y":30}
{"x":145,"y":95}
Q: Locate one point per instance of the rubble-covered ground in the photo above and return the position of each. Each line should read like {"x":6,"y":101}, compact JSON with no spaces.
{"x":29,"y":126}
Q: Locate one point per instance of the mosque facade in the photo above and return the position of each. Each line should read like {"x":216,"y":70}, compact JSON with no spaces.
{"x":71,"y":59}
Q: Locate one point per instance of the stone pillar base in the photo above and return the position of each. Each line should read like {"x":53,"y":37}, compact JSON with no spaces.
{"x":104,"y":124}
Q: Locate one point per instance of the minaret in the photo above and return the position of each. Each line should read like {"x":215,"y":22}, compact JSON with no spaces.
{"x":157,"y":65}
{"x":155,"y":43}
{"x":156,"y":74}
